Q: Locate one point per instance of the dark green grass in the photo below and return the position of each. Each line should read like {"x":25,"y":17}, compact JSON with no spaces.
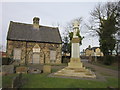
{"x":113,"y":82}
{"x":42,"y":81}
{"x":113,"y":67}
{"x":7,"y":80}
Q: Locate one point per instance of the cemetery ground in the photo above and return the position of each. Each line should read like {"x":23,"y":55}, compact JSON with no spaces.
{"x":106,"y":77}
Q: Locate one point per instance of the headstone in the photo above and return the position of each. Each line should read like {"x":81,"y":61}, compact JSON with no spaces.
{"x":7,"y":69}
{"x":21,"y":69}
{"x":46,"y":69}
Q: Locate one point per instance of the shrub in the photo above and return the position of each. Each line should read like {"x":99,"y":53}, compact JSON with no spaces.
{"x":6,"y":61}
{"x":65,"y":59}
{"x":108,"y":60}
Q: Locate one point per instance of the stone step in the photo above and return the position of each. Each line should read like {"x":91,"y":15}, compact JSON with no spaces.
{"x":76,"y":72}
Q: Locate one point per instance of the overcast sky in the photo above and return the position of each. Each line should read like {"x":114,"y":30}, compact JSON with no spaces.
{"x":50,"y":13}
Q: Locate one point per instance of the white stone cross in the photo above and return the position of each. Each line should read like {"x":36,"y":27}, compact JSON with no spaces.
{"x":75,"y":28}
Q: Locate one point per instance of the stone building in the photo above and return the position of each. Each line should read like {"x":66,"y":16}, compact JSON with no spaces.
{"x":33,"y":43}
{"x":94,"y":51}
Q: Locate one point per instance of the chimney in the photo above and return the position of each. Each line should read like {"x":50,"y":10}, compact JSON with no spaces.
{"x":36,"y":22}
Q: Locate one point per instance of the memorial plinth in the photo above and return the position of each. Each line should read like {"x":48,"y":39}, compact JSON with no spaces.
{"x":75,"y":54}
{"x":75,"y":67}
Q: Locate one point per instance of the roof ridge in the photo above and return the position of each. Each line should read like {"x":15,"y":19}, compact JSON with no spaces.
{"x":24,"y":32}
{"x":20,"y":23}
{"x":32,"y":24}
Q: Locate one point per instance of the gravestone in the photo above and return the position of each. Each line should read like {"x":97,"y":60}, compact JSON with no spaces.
{"x":75,"y":67}
{"x":21,"y":69}
{"x":46,"y":69}
{"x":7,"y":69}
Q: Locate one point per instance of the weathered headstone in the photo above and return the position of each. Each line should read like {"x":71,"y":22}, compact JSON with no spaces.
{"x":46,"y":69}
{"x":7,"y":69}
{"x":21,"y":69}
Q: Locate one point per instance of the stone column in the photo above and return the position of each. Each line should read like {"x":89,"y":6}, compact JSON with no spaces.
{"x":75,"y":57}
{"x":75,"y":49}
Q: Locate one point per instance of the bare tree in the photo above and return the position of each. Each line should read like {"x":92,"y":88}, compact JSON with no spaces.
{"x":100,"y":13}
{"x":103,"y":22}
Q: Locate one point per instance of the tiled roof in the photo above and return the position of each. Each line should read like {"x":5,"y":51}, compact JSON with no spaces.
{"x":26,"y":32}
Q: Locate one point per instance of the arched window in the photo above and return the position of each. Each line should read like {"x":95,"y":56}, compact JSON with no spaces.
{"x":36,"y":48}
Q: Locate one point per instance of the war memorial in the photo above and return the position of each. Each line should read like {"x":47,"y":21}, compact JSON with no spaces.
{"x":75,"y":67}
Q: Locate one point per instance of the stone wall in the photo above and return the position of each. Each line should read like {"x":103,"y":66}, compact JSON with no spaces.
{"x":7,"y":69}
{"x":27,"y":51}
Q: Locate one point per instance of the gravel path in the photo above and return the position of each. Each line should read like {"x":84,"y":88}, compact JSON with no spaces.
{"x":102,"y":70}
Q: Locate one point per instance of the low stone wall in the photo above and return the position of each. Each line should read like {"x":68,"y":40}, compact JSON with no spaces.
{"x":7,"y":69}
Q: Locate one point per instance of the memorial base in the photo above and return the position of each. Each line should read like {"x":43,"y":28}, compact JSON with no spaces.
{"x":75,"y":69}
{"x":75,"y":63}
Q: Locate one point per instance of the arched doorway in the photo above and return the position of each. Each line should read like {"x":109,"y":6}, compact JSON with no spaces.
{"x":36,"y":54}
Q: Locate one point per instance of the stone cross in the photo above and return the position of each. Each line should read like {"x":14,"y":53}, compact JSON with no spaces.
{"x":75,"y":28}
{"x":75,"y":41}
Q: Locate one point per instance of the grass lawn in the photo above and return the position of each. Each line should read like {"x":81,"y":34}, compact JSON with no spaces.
{"x":7,"y":80}
{"x":114,"y":67}
{"x":42,"y":81}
